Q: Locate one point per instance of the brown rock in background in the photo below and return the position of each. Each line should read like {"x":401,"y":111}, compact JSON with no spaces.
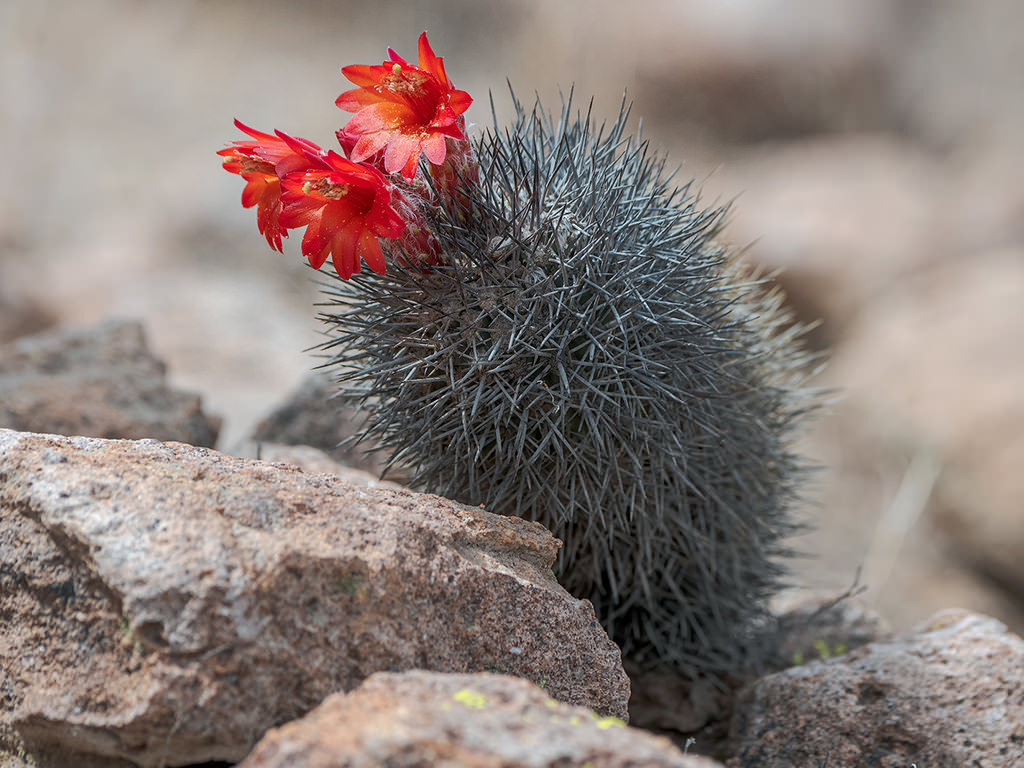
{"x":167,"y":604}
{"x":724,"y":90}
{"x":948,"y":694}
{"x":426,"y":718}
{"x":97,"y":382}
{"x":842,"y":219}
{"x":938,"y":361}
{"x":311,"y":417}
{"x":20,"y":316}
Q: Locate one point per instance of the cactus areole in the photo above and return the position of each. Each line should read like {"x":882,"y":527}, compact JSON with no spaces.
{"x":552,"y":331}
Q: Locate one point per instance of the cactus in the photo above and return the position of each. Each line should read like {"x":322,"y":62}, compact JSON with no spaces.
{"x":591,"y":359}
{"x":558,"y":335}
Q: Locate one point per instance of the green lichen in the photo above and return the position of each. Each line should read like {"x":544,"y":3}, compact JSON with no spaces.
{"x":604,"y":723}
{"x":470,"y":699}
{"x":350,"y":585}
{"x":823,"y":649}
{"x":124,"y":626}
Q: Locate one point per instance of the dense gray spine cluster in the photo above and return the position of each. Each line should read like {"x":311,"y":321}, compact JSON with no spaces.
{"x":593,"y":360}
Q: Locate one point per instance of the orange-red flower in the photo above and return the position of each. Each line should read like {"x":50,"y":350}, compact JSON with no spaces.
{"x":403,"y":110}
{"x":345,"y":207}
{"x":256,"y":162}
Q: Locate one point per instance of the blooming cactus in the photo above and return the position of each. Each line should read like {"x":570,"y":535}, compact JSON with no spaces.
{"x":554,"y":332}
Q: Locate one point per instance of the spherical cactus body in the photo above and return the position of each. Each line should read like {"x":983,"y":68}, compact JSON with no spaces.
{"x":585,"y":354}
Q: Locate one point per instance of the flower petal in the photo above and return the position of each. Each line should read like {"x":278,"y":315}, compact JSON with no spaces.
{"x":363,"y":75}
{"x":369,"y":144}
{"x":343,"y":252}
{"x":431,"y":62}
{"x":434,"y":148}
{"x":370,"y":252}
{"x":357,"y":98}
{"x":459,"y":101}
{"x":386,"y":115}
{"x":402,"y":151}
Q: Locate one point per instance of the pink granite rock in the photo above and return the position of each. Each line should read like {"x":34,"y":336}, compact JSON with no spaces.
{"x":949,"y":694}
{"x":477,"y":721}
{"x":168,"y":604}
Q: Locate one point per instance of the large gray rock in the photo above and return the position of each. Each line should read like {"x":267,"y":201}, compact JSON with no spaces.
{"x":949,"y":694}
{"x":476,"y":721}
{"x":168,"y":604}
{"x":99,"y":382}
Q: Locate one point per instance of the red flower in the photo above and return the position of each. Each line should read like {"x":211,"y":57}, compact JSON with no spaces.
{"x":263,"y":163}
{"x":345,"y":208}
{"x":402,"y":109}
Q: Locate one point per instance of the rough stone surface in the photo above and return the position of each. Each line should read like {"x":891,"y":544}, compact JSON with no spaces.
{"x":949,"y":694}
{"x":98,"y":382}
{"x":167,"y":604}
{"x":698,"y":712}
{"x":484,"y":720}
{"x":314,"y":461}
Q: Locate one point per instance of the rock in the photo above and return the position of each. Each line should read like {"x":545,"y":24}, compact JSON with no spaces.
{"x":311,"y":417}
{"x":20,"y":316}
{"x":99,"y":382}
{"x":167,"y":604}
{"x":842,"y":218}
{"x":750,"y":94}
{"x":819,"y":627}
{"x":959,"y":69}
{"x":990,"y":204}
{"x":939,"y":361}
{"x":698,"y":713}
{"x":427,"y":718}
{"x":314,"y":461}
{"x":948,"y":694}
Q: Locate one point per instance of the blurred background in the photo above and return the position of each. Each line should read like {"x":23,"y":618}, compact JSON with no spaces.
{"x":873,"y":150}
